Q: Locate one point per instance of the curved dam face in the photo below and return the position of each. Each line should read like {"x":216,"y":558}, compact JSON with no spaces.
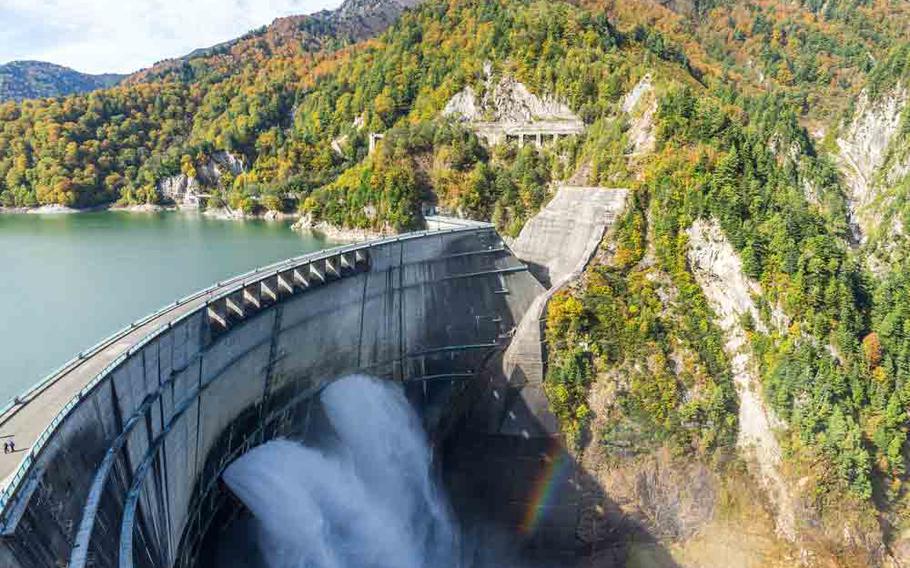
{"x":128,"y":472}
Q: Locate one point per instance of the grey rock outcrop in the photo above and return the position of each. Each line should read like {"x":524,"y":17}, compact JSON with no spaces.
{"x":507,"y":101}
{"x":641,"y":106}
{"x":643,"y":87}
{"x":371,"y":11}
{"x":464,"y":105}
{"x":718,"y":271}
{"x":181,"y":189}
{"x":864,"y":149}
{"x":186,"y":191}
{"x":220,"y":163}
{"x":508,"y":109}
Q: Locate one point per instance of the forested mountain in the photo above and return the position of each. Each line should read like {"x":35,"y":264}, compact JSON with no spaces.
{"x":36,"y":79}
{"x":765,"y":144}
{"x":327,"y":30}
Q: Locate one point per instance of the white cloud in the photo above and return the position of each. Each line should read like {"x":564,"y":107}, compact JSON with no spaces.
{"x":98,"y":36}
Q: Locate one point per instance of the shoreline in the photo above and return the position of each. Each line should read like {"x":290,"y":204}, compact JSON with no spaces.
{"x":297,"y":223}
{"x":64,"y":210}
{"x":50,"y":210}
{"x":335,"y":233}
{"x":222,"y":213}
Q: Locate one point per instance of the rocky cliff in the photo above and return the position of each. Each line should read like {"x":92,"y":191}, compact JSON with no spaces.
{"x":506,"y":101}
{"x":718,"y":270}
{"x":864,"y":148}
{"x":640,"y":104}
{"x":186,"y":191}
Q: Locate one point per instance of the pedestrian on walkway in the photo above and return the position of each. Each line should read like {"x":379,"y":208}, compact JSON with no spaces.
{"x":5,"y":447}
{"x":12,"y":446}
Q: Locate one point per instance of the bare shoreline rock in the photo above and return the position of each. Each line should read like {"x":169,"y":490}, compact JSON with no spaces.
{"x":334,"y":233}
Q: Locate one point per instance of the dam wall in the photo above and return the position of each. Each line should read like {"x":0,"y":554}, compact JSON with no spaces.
{"x":128,"y":472}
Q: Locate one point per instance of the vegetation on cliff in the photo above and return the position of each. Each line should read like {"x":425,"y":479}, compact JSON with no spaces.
{"x":756,"y":154}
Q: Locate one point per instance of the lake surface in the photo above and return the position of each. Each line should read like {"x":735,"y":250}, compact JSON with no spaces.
{"x":69,"y":281}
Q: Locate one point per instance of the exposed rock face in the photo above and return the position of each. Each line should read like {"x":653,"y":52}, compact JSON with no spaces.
{"x":338,"y":145}
{"x":181,"y":189}
{"x":219,"y":164}
{"x":306,"y":224}
{"x":513,"y":102}
{"x":508,"y":109}
{"x":186,"y":191}
{"x":864,"y":149}
{"x":507,"y":101}
{"x":378,"y":12}
{"x":464,"y":105}
{"x":630,"y":101}
{"x":674,"y":500}
{"x":718,"y":270}
{"x":361,"y":19}
{"x":641,"y":106}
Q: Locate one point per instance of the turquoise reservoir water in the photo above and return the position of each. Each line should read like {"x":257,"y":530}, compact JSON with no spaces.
{"x":68,"y":281}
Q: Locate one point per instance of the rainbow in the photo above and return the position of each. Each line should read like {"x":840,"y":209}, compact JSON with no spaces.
{"x":544,"y":488}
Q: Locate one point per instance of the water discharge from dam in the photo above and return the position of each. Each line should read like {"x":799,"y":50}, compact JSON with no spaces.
{"x":367,"y":498}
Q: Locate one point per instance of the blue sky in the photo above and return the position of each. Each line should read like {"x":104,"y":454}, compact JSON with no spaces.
{"x":120,"y":36}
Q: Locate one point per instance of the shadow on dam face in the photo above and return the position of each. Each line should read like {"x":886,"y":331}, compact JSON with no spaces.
{"x":517,"y":502}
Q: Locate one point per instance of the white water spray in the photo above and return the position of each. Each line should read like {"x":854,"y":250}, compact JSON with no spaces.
{"x":369,"y":502}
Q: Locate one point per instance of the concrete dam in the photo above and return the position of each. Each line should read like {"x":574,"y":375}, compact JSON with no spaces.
{"x":129,"y":440}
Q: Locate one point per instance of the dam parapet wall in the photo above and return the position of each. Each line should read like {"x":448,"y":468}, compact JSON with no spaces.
{"x":128,"y":473}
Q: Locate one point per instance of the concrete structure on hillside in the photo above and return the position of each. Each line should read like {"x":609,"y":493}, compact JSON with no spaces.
{"x":538,"y":133}
{"x":128,"y":441}
{"x":511,"y":437}
{"x":557,"y":245}
{"x":375,"y":137}
{"x":509,"y":112}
